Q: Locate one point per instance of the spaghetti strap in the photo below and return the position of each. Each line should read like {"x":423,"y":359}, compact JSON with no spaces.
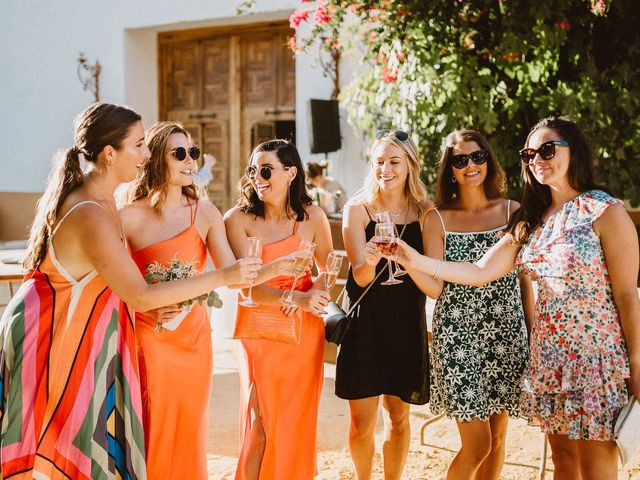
{"x":69,"y":213}
{"x":368,"y":212}
{"x":192,"y":212}
{"x":295,"y":227}
{"x":508,"y":210}
{"x":441,"y":220}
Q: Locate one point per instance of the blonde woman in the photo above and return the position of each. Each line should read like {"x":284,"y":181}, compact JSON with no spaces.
{"x":384,"y":355}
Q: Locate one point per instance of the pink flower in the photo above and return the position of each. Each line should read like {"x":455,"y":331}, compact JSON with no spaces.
{"x":389,"y":75}
{"x":598,"y":7}
{"x":373,"y":36}
{"x":297,"y":18}
{"x":321,"y":14}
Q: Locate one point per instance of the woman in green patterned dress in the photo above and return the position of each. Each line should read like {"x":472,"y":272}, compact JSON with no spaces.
{"x":479,"y":347}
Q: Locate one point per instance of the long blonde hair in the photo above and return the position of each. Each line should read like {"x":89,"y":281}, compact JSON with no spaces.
{"x":99,"y":125}
{"x":152,"y":181}
{"x":414,"y":189}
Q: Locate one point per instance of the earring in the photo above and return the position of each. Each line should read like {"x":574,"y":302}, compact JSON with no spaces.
{"x":109,"y":162}
{"x":453,"y":179}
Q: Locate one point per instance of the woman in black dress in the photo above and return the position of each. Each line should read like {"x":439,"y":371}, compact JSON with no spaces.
{"x":384,"y":353}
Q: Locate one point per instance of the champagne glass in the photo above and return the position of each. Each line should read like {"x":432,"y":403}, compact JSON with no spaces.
{"x":254,"y":250}
{"x":385,"y":217}
{"x":332,"y":270}
{"x":304,"y":255}
{"x":386,"y":244}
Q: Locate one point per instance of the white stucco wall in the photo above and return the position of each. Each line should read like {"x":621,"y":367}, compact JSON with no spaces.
{"x":41,"y":94}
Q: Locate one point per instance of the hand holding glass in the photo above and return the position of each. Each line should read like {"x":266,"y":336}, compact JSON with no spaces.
{"x":385,"y":217}
{"x":254,"y":250}
{"x":385,"y":241}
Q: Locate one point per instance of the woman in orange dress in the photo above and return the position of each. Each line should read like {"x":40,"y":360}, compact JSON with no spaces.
{"x":167,"y":221}
{"x":280,"y":382}
{"x":70,"y":403}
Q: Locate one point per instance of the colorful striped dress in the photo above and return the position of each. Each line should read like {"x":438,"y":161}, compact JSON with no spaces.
{"x":70,"y":402}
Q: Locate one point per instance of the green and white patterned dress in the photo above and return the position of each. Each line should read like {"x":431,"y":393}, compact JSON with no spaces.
{"x":480,"y":349}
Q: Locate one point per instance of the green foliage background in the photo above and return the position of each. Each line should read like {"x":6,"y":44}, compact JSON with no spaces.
{"x":433,"y":66}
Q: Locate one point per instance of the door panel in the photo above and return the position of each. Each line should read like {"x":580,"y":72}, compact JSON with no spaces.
{"x":221,"y":83}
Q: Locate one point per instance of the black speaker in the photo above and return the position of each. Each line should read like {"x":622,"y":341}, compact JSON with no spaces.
{"x":324,"y":126}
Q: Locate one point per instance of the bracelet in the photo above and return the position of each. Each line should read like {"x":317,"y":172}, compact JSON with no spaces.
{"x":435,"y":275}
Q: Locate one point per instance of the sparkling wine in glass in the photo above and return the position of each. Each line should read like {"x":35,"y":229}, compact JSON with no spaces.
{"x":332,"y":269}
{"x":304,"y":255}
{"x":254,"y":250}
{"x":385,"y":241}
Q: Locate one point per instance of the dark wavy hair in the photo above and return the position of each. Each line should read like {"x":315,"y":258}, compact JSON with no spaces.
{"x":495,"y":185}
{"x":536,"y":198}
{"x":288,"y":155}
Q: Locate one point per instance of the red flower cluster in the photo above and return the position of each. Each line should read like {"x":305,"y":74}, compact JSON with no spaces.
{"x":564,"y":25}
{"x":297,"y":18}
{"x":321,"y":14}
{"x":511,"y":56}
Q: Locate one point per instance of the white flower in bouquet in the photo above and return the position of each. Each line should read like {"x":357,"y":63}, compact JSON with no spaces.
{"x":176,"y":270}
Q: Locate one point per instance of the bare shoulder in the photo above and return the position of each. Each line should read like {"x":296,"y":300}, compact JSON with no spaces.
{"x":208,"y":210}
{"x":234,"y":214}
{"x":432,"y":221}
{"x":316,"y":214}
{"x":613,"y":219}
{"x":135,"y":210}
{"x":427,"y":205}
{"x":354,"y":214}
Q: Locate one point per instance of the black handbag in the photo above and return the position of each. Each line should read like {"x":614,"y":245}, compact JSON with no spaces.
{"x":336,"y":320}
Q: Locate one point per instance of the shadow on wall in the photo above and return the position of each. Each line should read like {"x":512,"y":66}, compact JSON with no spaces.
{"x":16,"y":214}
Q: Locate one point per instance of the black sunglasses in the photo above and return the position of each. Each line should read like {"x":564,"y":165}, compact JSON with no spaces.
{"x":399,"y":134}
{"x":546,"y":151}
{"x":265,"y":172}
{"x":181,"y":153}
{"x":478,"y":157}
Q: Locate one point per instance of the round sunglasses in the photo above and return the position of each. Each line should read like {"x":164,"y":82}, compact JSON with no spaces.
{"x":265,"y":172}
{"x":399,"y":134}
{"x":478,"y":157}
{"x":547,"y":151}
{"x":181,"y":153}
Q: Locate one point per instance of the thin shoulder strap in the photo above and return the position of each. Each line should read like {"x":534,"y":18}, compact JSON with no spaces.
{"x":193,"y":211}
{"x":508,"y":210}
{"x":368,"y":212}
{"x":441,"y":220}
{"x":69,"y":213}
{"x":295,"y":227}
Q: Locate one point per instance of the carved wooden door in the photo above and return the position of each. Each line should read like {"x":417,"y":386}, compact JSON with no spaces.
{"x":221,"y":82}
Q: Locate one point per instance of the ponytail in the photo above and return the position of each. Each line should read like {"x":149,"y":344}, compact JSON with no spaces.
{"x":65,"y":176}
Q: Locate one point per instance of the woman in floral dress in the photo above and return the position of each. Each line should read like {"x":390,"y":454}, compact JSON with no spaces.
{"x":479,"y":349}
{"x":581,"y":247}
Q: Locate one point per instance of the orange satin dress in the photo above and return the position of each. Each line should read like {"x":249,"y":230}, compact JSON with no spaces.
{"x":176,"y":369}
{"x":288,"y":380}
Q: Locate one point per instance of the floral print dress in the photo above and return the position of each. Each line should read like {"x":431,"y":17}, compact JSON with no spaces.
{"x":479,"y":350}
{"x":575,"y":382}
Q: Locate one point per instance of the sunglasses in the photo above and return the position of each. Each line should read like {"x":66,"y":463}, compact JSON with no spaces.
{"x":265,"y":172}
{"x":399,"y":134}
{"x":478,"y":157}
{"x":546,"y":151}
{"x":181,"y":153}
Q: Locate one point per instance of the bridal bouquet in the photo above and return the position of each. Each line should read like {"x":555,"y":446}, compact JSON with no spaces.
{"x":176,"y":270}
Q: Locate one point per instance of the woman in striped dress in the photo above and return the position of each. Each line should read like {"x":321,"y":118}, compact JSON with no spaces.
{"x":70,"y":403}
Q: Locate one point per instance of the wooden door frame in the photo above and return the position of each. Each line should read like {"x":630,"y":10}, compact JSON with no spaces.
{"x":236,"y":148}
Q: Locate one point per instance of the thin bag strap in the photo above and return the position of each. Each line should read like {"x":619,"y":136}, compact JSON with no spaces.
{"x":353,"y":307}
